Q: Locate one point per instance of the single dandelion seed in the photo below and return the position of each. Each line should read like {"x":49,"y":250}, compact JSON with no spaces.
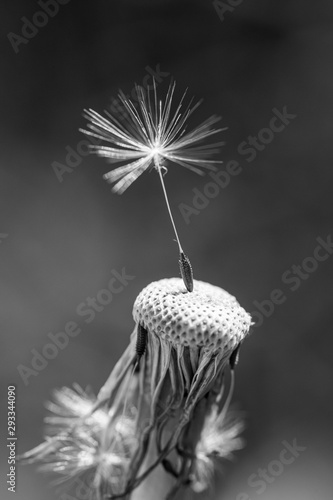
{"x":141,"y":342}
{"x":151,"y":137}
{"x":140,"y":349}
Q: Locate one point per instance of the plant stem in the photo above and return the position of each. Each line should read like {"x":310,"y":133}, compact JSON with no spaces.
{"x":158,"y":484}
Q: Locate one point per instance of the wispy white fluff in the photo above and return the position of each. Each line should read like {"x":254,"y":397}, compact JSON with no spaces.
{"x":151,"y":135}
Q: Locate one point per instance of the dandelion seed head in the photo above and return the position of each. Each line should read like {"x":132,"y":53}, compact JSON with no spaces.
{"x":80,"y":439}
{"x":208,"y":317}
{"x":219,"y":439}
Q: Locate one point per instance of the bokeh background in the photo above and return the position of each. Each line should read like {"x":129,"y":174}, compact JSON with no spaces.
{"x":64,"y":238}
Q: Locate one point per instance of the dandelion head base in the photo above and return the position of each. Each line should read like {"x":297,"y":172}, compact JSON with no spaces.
{"x":208,"y":317}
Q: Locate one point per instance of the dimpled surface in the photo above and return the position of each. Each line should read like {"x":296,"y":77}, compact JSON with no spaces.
{"x":207,"y":317}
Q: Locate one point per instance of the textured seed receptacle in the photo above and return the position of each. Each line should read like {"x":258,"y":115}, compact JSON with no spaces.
{"x":207,"y":317}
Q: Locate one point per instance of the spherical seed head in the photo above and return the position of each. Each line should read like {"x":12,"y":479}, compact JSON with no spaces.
{"x":207,"y":317}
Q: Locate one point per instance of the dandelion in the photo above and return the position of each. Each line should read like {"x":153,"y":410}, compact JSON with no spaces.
{"x":220,"y":437}
{"x":78,"y":441}
{"x":165,"y":404}
{"x":164,"y":407}
{"x":153,"y":136}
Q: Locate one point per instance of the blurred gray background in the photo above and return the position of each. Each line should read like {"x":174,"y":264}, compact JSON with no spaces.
{"x":65,"y":238}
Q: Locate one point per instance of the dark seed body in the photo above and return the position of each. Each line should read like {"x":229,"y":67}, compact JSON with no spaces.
{"x":233,"y":360}
{"x":186,"y":271}
{"x":141,"y":342}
